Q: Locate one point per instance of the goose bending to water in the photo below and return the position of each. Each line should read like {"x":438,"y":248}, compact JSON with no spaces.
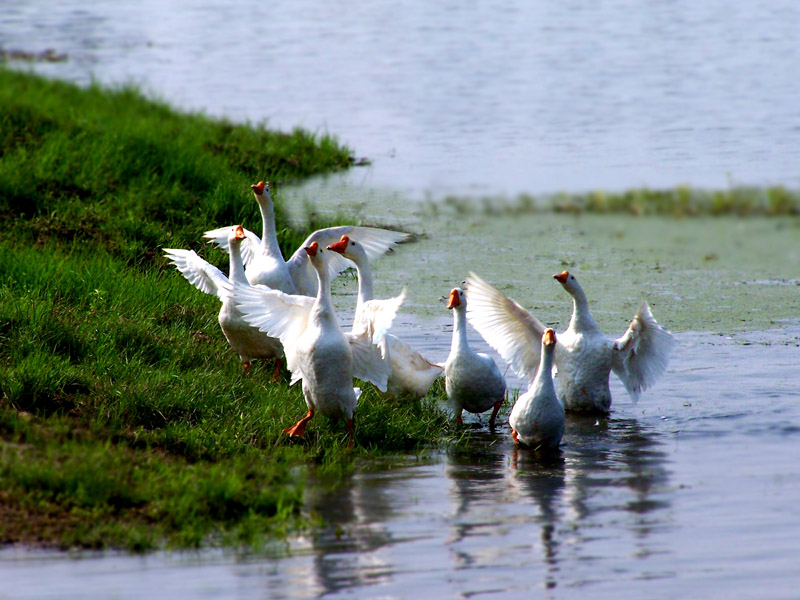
{"x":317,"y":351}
{"x":411,"y":373}
{"x":537,"y":419}
{"x":247,"y":341}
{"x":472,"y":380}
{"x":265,"y":264}
{"x":584,"y":356}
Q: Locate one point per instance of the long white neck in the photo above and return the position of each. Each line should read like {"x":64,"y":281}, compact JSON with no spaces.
{"x":459,"y":329}
{"x":323,"y":305}
{"x":269,"y":237}
{"x":365,"y":293}
{"x":236,"y":265}
{"x":544,"y":376}
{"x":582,"y":318}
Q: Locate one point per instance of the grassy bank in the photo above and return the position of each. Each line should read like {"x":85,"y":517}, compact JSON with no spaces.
{"x":125,"y":420}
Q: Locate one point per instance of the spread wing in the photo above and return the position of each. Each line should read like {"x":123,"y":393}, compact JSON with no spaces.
{"x":375,"y":317}
{"x":375,"y":241}
{"x":219,"y":237}
{"x":507,"y":327}
{"x":641,"y":355}
{"x":280,"y":315}
{"x":200,"y":273}
{"x":368,"y":363}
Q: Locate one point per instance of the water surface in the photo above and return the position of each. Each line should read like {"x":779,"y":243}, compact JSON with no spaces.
{"x":481,"y":98}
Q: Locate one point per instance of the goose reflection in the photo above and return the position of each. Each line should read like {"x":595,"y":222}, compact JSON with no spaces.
{"x":614,"y":466}
{"x":346,"y":551}
{"x":541,"y":477}
{"x":477,"y":482}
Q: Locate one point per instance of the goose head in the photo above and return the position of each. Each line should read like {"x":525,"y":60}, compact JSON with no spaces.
{"x":548,"y":340}
{"x":316,"y":256}
{"x":457,"y":299}
{"x":568,"y":281}
{"x":350,"y":249}
{"x":261,"y":190}
{"x":236,"y":235}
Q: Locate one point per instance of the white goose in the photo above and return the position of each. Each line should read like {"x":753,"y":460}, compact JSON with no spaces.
{"x":584,"y":356}
{"x":247,"y":341}
{"x":537,"y":419}
{"x":412,"y":374}
{"x":265,"y":264}
{"x":317,"y":351}
{"x":472,"y":380}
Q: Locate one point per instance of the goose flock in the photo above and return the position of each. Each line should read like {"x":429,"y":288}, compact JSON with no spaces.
{"x":277,"y":309}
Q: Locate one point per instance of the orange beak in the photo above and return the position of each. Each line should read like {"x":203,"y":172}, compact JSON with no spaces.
{"x":312,"y":249}
{"x":453,"y":301}
{"x":341,"y":245}
{"x":258,"y":188}
{"x":549,"y":337}
{"x":239,"y":233}
{"x":561,"y":277}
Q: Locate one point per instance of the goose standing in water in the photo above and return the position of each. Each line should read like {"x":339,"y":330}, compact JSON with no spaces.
{"x":247,"y":341}
{"x":537,"y":419}
{"x":264,"y":261}
{"x":472,"y":380}
{"x":412,"y":374}
{"x":584,"y":356}
{"x":317,"y":351}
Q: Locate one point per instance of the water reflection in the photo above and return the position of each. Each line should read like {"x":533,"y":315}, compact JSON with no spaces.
{"x":509,"y":502}
{"x":542,"y":477}
{"x":346,"y":549}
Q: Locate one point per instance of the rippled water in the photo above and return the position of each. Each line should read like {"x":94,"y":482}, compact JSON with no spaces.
{"x":692,"y":492}
{"x":484,"y":97}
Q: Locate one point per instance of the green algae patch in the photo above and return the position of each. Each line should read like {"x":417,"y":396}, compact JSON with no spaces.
{"x":716,"y":274}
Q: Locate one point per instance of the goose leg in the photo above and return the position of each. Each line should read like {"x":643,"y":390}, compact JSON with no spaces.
{"x":350,"y":433}
{"x":247,"y":367}
{"x":514,"y":435}
{"x":496,"y":409}
{"x":299,"y":428}
{"x":276,"y":374}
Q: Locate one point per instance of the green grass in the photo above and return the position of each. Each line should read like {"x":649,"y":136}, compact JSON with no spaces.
{"x":125,"y":418}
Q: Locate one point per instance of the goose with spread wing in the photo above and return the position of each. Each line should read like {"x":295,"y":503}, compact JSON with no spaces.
{"x":317,"y":351}
{"x":411,"y":373}
{"x":247,"y":341}
{"x":264,"y":262}
{"x":584,"y":356}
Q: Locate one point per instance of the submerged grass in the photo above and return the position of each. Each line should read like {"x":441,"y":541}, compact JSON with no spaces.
{"x":125,"y":419}
{"x":681,"y":201}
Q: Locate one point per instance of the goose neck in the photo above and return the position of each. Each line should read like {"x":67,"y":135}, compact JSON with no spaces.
{"x":269,"y":237}
{"x":581,"y":315}
{"x":365,"y":293}
{"x":236,"y":265}
{"x":459,"y":329}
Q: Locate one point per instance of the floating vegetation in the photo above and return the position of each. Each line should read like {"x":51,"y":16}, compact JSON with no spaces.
{"x":49,"y":55}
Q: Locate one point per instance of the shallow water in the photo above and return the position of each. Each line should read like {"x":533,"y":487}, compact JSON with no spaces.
{"x":491,"y":97}
{"x":691,"y":493}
